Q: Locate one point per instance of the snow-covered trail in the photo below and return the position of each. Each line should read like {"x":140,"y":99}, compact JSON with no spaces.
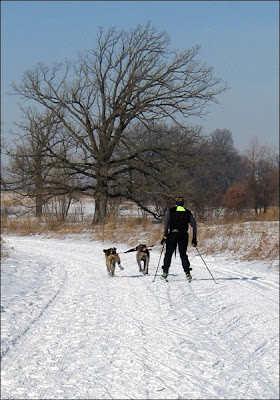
{"x":69,"y":331}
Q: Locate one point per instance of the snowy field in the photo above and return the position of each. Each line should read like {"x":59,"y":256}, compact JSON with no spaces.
{"x":69,"y":331}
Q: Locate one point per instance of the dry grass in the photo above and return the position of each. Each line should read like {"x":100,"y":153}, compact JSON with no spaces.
{"x":251,"y":237}
{"x":272,"y":214}
{"x":246,"y":241}
{"x":128,"y":230}
{"x":28,"y":225}
{"x":132,"y":231}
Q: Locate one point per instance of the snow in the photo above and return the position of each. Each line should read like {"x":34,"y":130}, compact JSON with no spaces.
{"x":70,"y":331}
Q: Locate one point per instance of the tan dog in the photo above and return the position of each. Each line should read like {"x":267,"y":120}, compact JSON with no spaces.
{"x":112,"y":258}
{"x":142,"y":255}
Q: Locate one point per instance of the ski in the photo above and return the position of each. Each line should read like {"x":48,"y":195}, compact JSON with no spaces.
{"x":162,"y":278}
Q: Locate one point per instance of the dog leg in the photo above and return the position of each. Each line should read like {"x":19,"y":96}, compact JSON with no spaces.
{"x":139,"y":265}
{"x":113,"y":269}
{"x":108,"y":269}
{"x":147,"y":267}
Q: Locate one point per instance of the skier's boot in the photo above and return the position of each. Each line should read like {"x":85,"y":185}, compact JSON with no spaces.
{"x":188,"y":276}
{"x":164,"y":275}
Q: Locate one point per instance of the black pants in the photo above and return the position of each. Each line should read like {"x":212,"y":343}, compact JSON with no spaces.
{"x":173,"y":240}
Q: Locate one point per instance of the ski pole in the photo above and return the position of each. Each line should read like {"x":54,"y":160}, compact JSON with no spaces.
{"x":206,"y":265}
{"x":158,"y":262}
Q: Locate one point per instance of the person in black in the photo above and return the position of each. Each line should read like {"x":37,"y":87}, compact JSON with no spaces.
{"x":176,"y":227}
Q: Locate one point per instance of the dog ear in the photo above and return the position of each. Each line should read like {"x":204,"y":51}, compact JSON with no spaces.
{"x":107,"y":251}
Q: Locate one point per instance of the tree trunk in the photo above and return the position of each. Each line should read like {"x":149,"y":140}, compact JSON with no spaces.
{"x":39,"y":206}
{"x":39,"y":196}
{"x":101,"y":198}
{"x":100,"y":211}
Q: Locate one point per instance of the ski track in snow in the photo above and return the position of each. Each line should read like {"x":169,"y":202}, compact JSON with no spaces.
{"x":70,"y":331}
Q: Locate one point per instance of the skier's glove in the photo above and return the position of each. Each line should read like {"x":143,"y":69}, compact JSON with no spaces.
{"x":163,"y":240}
{"x":194,"y":242}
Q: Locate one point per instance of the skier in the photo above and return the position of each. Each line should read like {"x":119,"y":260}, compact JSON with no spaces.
{"x":176,"y":227}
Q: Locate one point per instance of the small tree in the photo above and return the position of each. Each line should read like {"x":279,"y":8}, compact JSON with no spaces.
{"x":219,"y":167}
{"x":30,"y":161}
{"x":237,"y":197}
{"x":263,"y":165}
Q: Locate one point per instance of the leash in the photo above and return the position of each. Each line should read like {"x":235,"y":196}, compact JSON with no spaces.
{"x":134,"y":249}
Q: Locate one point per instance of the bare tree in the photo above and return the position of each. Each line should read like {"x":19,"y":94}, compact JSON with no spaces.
{"x":31,"y":164}
{"x":223,"y":167}
{"x":165,"y":155}
{"x":263,"y":165}
{"x":129,"y":76}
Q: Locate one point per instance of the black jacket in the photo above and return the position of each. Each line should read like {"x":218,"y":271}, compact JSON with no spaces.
{"x":179,"y":221}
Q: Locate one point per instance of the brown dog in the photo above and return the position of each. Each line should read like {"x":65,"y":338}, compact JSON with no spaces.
{"x":112,"y":258}
{"x":142,"y":255}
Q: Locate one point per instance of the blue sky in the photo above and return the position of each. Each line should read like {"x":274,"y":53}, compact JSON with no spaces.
{"x":240,"y":39}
